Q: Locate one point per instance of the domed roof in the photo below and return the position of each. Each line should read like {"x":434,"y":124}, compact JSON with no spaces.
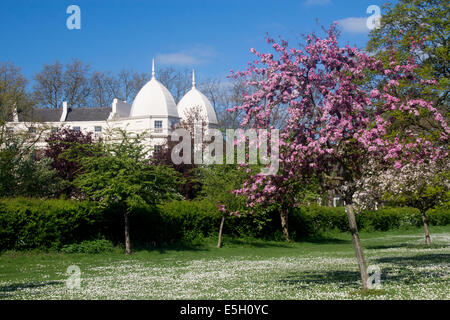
{"x":194,"y":98}
{"x":153,"y":100}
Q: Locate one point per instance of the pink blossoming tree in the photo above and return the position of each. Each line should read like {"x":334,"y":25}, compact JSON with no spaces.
{"x":335,"y":124}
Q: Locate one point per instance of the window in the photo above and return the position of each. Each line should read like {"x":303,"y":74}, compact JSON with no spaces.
{"x":158,"y":125}
{"x":158,"y":148}
{"x":98,"y":129}
{"x":9,"y":129}
{"x":76,"y":128}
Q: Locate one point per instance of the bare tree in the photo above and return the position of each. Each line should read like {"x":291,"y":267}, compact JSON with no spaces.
{"x":224,"y":95}
{"x":48,"y":87}
{"x":55,"y":84}
{"x":139,"y":80}
{"x":228,"y":94}
{"x":106,"y":86}
{"x":125,"y":81}
{"x":176,"y":81}
{"x":101,"y":94}
{"x":76,"y":83}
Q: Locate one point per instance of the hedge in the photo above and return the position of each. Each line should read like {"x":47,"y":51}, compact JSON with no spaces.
{"x":31,"y":223}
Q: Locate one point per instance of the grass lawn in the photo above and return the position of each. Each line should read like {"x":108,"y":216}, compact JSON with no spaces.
{"x":323,"y":269}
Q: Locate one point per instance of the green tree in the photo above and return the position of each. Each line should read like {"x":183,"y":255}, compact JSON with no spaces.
{"x":13,"y":95}
{"x":23,"y":173}
{"x":218,"y":183}
{"x":418,"y":29}
{"x":119,"y":175}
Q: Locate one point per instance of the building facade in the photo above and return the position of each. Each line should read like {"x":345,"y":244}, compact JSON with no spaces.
{"x":153,"y":112}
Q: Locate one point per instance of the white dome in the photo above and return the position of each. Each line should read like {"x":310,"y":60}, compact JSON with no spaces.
{"x":153,"y":100}
{"x":195,"y":98}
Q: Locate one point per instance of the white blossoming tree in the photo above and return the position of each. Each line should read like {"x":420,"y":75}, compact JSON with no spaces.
{"x":421,"y":186}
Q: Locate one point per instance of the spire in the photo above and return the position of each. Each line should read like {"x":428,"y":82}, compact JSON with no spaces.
{"x":153,"y":68}
{"x":193,"y":78}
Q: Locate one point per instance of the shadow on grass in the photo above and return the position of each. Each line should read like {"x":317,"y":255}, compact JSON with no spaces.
{"x":4,"y":290}
{"x":404,"y":272}
{"x":255,"y":243}
{"x":417,"y":260}
{"x":326,"y":240}
{"x":338,"y":277}
{"x":164,"y":248}
{"x":404,"y":269}
{"x":407,"y":245}
{"x":228,"y":241}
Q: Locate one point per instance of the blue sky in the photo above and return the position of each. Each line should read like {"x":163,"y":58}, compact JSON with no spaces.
{"x":212,"y":36}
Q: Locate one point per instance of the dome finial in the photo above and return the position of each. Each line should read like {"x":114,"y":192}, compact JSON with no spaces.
{"x":193,"y":78}
{"x":153,"y":68}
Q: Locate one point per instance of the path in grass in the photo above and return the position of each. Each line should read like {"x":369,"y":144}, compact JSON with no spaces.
{"x":240,"y":270}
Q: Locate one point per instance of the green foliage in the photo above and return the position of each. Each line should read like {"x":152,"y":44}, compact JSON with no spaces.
{"x":23,"y":174}
{"x":12,"y":94}
{"x":312,"y":220}
{"x":439,"y":216}
{"x":409,"y":22}
{"x":390,"y":218}
{"x":119,"y":174}
{"x":188,"y":220}
{"x":32,"y":223}
{"x":89,"y":246}
{"x":218,"y":183}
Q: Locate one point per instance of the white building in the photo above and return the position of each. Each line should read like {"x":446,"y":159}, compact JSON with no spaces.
{"x":153,"y":111}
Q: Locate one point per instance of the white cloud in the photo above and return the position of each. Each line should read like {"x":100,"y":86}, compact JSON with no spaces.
{"x":316,"y":2}
{"x":354,"y":25}
{"x":199,"y":54}
{"x":179,"y":58}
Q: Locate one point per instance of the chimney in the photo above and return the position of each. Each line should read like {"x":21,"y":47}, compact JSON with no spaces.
{"x":113,"y":112}
{"x":15,"y":114}
{"x":64,"y":113}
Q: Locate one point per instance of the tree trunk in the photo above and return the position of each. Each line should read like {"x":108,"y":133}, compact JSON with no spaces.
{"x":127,"y":234}
{"x":330,"y":198}
{"x":425,"y":226}
{"x":219,"y":242}
{"x":357,"y":245}
{"x":284,"y":224}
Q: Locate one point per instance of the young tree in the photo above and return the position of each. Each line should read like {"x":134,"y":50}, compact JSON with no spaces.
{"x":335,"y":126}
{"x":218,"y":183}
{"x":119,"y":175}
{"x":421,"y":186}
